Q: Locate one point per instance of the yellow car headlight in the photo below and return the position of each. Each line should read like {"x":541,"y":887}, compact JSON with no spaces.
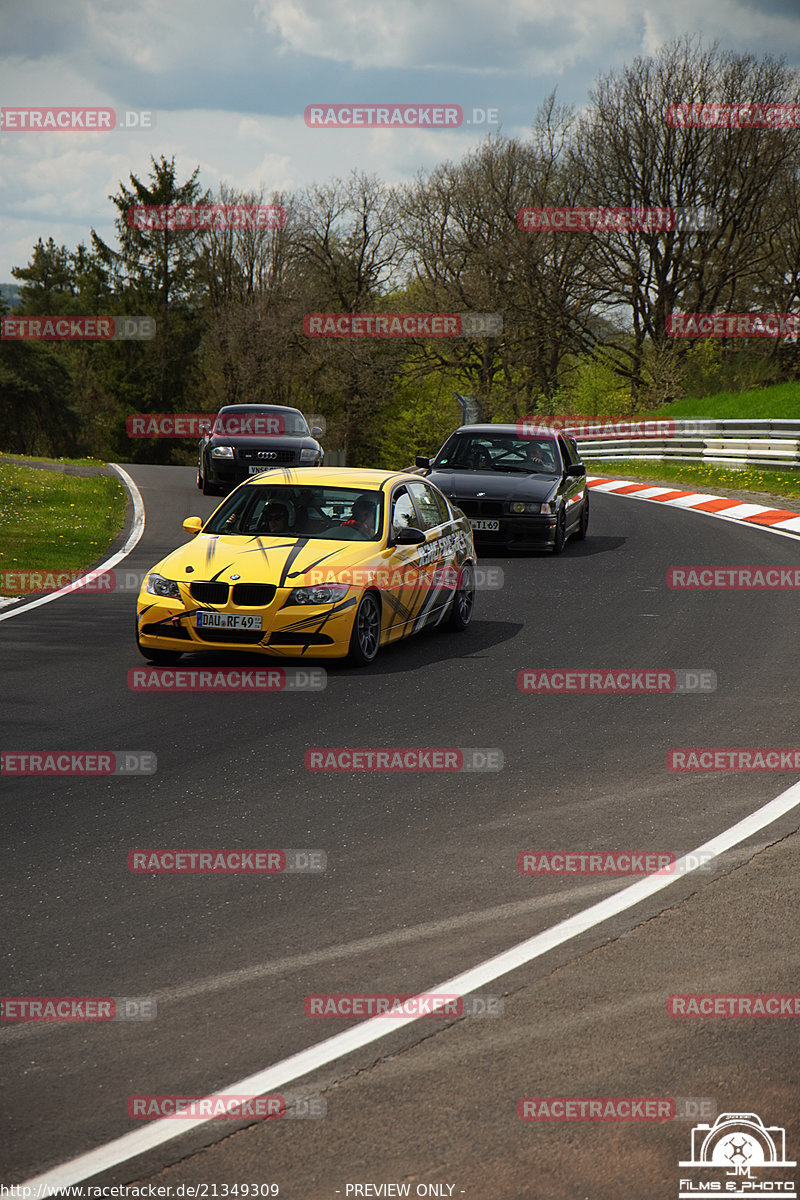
{"x":157,"y":585}
{"x":323,"y":593}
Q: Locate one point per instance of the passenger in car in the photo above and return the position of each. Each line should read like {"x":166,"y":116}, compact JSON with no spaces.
{"x":275,"y":519}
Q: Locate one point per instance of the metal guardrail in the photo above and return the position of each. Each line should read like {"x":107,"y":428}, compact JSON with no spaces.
{"x":740,"y":442}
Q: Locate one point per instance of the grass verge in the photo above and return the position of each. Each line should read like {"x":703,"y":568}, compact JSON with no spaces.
{"x":55,"y":522}
{"x":781,"y":401}
{"x":34,"y":458}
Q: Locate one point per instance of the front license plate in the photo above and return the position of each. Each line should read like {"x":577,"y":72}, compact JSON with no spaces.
{"x":488,"y":526}
{"x":257,"y":470}
{"x":212,"y":620}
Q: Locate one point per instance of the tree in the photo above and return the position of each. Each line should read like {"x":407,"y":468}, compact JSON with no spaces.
{"x":155,"y":272}
{"x":630,"y":156}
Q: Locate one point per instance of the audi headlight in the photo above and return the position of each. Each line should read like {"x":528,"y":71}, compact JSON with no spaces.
{"x":323,"y":593}
{"x":157,"y":585}
{"x":222,"y":452}
{"x":307,"y":455}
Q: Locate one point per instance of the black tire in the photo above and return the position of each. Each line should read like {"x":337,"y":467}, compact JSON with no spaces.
{"x":159,"y":658}
{"x":583,"y":524}
{"x":365,"y":639}
{"x":463,"y":599}
{"x":206,"y":488}
{"x":560,"y":539}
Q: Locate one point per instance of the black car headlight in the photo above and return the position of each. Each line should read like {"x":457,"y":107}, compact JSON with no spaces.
{"x":323,"y":593}
{"x":157,"y":585}
{"x":307,"y":455}
{"x":519,"y":507}
{"x":222,"y":452}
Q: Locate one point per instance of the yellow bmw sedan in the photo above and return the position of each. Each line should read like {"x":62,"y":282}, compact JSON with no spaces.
{"x":330,"y":569}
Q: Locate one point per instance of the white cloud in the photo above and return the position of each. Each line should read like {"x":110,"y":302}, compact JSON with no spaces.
{"x":736,"y":23}
{"x":229,"y":83}
{"x":432,"y":34}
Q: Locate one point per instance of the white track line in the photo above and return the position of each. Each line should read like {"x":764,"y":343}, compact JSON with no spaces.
{"x":290,"y":1069}
{"x":133,"y":538}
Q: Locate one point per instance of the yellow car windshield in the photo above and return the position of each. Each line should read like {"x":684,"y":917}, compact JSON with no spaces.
{"x":280,"y":510}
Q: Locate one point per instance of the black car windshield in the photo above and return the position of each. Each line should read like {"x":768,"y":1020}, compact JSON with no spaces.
{"x":290,"y":511}
{"x":500,"y":452}
{"x":259,"y":422}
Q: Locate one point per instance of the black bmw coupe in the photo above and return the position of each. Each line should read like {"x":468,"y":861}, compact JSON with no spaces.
{"x":518,"y":489}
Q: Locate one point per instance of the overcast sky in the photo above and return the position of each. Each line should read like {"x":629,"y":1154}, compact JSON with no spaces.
{"x":229,"y":82}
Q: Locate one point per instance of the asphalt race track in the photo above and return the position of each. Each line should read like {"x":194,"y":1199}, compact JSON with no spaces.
{"x":421,"y":881}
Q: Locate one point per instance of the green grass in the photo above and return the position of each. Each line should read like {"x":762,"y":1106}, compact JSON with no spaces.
{"x":700,"y":477}
{"x":782,"y":400}
{"x":50,"y":521}
{"x":34,"y":458}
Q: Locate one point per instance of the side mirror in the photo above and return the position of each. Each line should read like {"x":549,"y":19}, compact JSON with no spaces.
{"x":410,"y":536}
{"x":316,"y":431}
{"x":193,"y":524}
{"x":421,"y":461}
{"x":576,"y":469}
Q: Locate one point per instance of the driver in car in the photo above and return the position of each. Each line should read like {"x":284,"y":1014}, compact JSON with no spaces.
{"x":535,"y":452}
{"x":362,"y":516}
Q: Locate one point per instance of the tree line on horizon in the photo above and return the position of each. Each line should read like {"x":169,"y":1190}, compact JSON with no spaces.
{"x":584,"y":314}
